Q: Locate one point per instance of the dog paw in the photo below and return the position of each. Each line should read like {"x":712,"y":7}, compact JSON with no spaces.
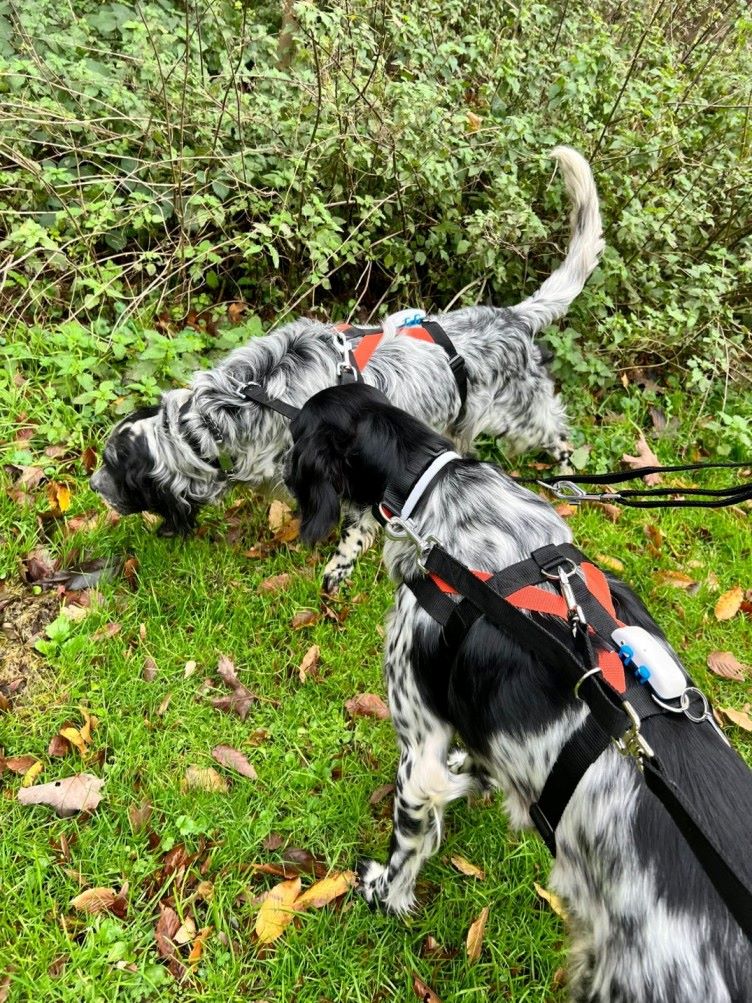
{"x":336,"y":573}
{"x":371,"y":881}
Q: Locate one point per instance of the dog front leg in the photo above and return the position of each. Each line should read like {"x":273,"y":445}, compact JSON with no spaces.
{"x":361,"y":529}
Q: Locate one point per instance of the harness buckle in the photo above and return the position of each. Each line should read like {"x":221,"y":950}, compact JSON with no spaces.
{"x":632,"y":743}
{"x":402,"y":529}
{"x":561,"y":573}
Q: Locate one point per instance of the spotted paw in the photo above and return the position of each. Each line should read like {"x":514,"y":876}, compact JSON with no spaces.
{"x":371,"y":881}
{"x":336,"y":573}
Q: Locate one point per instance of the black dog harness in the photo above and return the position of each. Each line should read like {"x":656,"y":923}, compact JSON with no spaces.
{"x":572,"y":628}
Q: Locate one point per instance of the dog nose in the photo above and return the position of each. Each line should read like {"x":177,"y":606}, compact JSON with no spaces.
{"x":94,"y":482}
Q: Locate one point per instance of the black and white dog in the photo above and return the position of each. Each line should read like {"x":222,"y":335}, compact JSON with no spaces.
{"x":647,"y":926}
{"x":165,"y":459}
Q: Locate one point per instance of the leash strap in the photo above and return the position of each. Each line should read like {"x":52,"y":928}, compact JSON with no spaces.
{"x":256,"y":393}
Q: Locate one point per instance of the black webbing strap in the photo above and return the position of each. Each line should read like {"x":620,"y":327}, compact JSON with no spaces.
{"x":456,"y":361}
{"x":257,"y":394}
{"x":735,"y":893}
{"x":652,"y":497}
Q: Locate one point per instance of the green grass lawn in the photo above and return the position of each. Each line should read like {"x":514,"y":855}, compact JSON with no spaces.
{"x":197,"y":599}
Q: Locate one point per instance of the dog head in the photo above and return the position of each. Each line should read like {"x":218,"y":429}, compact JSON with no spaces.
{"x":131,"y":478}
{"x":349,"y":442}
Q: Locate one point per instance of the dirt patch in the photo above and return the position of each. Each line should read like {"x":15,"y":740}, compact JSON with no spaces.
{"x":23,"y":619}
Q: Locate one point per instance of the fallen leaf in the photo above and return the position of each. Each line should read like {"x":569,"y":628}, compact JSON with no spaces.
{"x":553,"y":900}
{"x":325,"y":891}
{"x":474,"y":122}
{"x":225,"y":755}
{"x":58,"y":746}
{"x":654,"y":537}
{"x":305,"y":862}
{"x":29,"y":477}
{"x":197,"y":948}
{"x":149,"y":671}
{"x":198,"y":778}
{"x":185,"y":932}
{"x":726,"y":665}
{"x":474,"y":942}
{"x":168,"y":925}
{"x":424,"y":993}
{"x":310,"y":664}
{"x":240,"y":700}
{"x":612,"y":512}
{"x":89,"y":459}
{"x":277,"y":911}
{"x":431,"y":948}
{"x":31,"y":774}
{"x":367,"y":705}
{"x":205,"y":891}
{"x":130,"y":572}
{"x":96,"y":900}
{"x":166,"y":699}
{"x":465,"y":867}
{"x":304,"y":618}
{"x":273,"y":841}
{"x":380,"y":793}
{"x":612,"y":563}
{"x":139,"y":815}
{"x":677,"y":579}
{"x":565,"y":510}
{"x":729,"y":604}
{"x":188,"y":669}
{"x":645,"y":457}
{"x":59,"y":496}
{"x":740,"y":718}
{"x":275,"y":583}
{"x":18,"y":764}
{"x":4,"y":988}
{"x":68,"y":796}
{"x":235,"y":311}
{"x":258,"y":737}
{"x":38,"y":566}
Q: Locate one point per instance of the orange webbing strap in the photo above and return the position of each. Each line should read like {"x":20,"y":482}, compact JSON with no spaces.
{"x":418,"y":332}
{"x":365,"y":348}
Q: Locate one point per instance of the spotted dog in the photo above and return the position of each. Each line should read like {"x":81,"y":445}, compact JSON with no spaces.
{"x":184,"y":453}
{"x":646,"y":924}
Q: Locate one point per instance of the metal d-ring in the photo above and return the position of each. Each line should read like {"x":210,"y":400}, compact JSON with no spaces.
{"x":583,"y":677}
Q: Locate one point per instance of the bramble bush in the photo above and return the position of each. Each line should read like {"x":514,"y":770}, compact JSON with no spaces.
{"x":357,"y":155}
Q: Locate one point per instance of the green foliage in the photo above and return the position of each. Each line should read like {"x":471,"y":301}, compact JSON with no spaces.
{"x":390,"y":154}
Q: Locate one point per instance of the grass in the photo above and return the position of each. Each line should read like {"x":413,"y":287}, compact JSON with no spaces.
{"x":317,"y":769}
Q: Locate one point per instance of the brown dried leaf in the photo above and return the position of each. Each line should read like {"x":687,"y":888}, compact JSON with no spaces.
{"x":18,"y":764}
{"x":304,"y":618}
{"x":168,"y":925}
{"x":565,"y":510}
{"x":277,"y":911}
{"x":166,"y":700}
{"x":29,"y":477}
{"x":197,"y":948}
{"x":58,"y":746}
{"x":68,"y":796}
{"x":380,"y":793}
{"x":205,"y":778}
{"x":654,"y":537}
{"x":89,"y":459}
{"x":59,"y":496}
{"x":726,"y":665}
{"x":677,"y":579}
{"x":150,"y":670}
{"x":139,"y":815}
{"x":273,"y":841}
{"x":553,"y":900}
{"x":465,"y":867}
{"x":474,"y":942}
{"x":424,"y":993}
{"x":367,"y":705}
{"x":645,"y":458}
{"x":310,"y":664}
{"x":740,"y":718}
{"x":276,"y":583}
{"x":325,"y":891}
{"x":729,"y":603}
{"x":226,"y":756}
{"x":186,"y":932}
{"x":305,"y":862}
{"x":97,"y":900}
{"x":130,"y":572}
{"x":279,"y":513}
{"x":227,"y":672}
{"x":612,"y":512}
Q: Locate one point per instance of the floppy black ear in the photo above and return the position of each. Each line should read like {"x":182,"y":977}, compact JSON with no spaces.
{"x":316,"y":479}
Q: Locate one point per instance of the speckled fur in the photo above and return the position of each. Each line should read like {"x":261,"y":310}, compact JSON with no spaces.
{"x":510,"y":393}
{"x":646,"y":926}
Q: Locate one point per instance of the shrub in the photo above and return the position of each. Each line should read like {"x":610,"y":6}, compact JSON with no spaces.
{"x":359,"y":154}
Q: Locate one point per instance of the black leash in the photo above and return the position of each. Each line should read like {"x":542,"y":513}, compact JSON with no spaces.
{"x":567,"y":488}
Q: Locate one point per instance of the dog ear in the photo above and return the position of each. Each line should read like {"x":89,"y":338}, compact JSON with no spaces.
{"x":317,"y":481}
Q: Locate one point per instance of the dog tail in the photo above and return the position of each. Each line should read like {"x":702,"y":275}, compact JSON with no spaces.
{"x":553,"y":298}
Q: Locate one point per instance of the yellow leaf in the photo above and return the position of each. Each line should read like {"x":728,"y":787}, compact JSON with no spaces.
{"x":31,"y":774}
{"x":677,"y":579}
{"x":553,"y":900}
{"x":729,"y":603}
{"x":204,"y":779}
{"x":279,"y":514}
{"x":740,"y":718}
{"x":60,"y":497}
{"x":74,"y":736}
{"x":612,"y":563}
{"x":277,"y":911}
{"x":94,"y":900}
{"x":325,"y":891}
{"x":198,"y":945}
{"x":474,"y":942}
{"x":465,"y":867}
{"x":474,"y":122}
